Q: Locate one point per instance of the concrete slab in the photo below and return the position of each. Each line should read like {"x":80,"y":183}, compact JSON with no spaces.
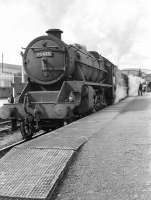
{"x":54,"y":142}
{"x":32,"y":173}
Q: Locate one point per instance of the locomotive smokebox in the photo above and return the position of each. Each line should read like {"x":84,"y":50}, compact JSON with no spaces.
{"x":55,"y":32}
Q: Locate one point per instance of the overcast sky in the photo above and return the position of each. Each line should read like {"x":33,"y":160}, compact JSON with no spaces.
{"x":119,"y":29}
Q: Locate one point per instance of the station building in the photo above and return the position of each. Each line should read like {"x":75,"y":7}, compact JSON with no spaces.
{"x":8,"y":74}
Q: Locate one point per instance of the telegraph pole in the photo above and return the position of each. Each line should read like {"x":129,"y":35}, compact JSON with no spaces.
{"x":22,"y":68}
{"x":2,"y":62}
{"x":140,"y":73}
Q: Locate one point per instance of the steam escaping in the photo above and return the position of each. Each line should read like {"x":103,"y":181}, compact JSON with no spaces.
{"x":120,"y":93}
{"x":133,"y":85}
{"x":134,"y":82}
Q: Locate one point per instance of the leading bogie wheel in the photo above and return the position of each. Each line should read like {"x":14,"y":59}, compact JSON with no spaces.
{"x":27,"y":130}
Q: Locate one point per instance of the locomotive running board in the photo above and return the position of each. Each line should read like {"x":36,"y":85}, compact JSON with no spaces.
{"x":98,"y":84}
{"x":79,"y":84}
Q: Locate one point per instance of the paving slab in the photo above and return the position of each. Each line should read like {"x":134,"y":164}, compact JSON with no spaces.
{"x":32,"y":173}
{"x":54,"y":142}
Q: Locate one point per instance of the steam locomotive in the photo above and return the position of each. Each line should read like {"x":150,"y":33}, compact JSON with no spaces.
{"x":65,"y":82}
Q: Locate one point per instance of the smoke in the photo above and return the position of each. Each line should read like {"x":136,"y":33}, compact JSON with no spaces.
{"x":120,"y":93}
{"x":52,"y":12}
{"x":114,"y":28}
{"x":110,"y":27}
{"x":22,"y":21}
{"x":123,"y":39}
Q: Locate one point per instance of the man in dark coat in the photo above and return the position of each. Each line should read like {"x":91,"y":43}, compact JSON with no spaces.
{"x":13,"y":121}
{"x":140,"y":90}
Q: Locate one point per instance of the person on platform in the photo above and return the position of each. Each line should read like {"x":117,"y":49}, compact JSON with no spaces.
{"x":13,"y":121}
{"x":140,"y":90}
{"x":144,"y":88}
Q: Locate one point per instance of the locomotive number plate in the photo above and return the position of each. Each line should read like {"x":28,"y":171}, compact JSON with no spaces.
{"x":44,"y":54}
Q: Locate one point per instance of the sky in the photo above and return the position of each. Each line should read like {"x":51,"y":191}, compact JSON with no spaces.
{"x":119,"y":30}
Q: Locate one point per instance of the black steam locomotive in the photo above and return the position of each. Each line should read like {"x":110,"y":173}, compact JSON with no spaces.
{"x":64,"y":82}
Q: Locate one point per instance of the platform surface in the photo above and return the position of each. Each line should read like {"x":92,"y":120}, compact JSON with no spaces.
{"x":33,"y":170}
{"x":115,"y":163}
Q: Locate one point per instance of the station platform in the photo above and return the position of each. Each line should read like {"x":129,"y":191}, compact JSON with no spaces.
{"x":106,"y":155}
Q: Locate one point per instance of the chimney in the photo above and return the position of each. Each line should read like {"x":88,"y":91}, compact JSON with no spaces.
{"x":55,"y":32}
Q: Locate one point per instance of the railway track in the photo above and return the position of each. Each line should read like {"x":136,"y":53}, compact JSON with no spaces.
{"x":5,"y":149}
{"x":5,"y":131}
{"x":5,"y":126}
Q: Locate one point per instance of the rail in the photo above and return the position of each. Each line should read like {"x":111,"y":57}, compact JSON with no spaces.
{"x":5,"y":149}
{"x":5,"y":126}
